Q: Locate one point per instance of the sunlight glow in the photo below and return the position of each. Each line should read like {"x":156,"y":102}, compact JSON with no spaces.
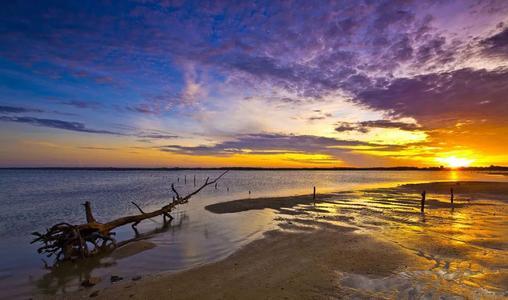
{"x":455,"y":162}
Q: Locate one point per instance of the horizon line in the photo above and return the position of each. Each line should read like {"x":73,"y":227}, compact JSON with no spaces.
{"x":396,"y":168}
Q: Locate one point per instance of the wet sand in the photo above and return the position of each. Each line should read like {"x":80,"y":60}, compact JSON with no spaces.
{"x":262,"y":203}
{"x":281,"y":265}
{"x":363,"y":244}
{"x":464,"y":190}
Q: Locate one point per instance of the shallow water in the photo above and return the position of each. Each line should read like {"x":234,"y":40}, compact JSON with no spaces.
{"x":35,"y":199}
{"x":462,"y":251}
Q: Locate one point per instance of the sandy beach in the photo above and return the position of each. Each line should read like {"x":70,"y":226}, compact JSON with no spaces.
{"x":279,"y":266}
{"x":363,"y":244}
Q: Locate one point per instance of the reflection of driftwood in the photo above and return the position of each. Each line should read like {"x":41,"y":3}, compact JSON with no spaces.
{"x":64,"y":275}
{"x":69,"y":242}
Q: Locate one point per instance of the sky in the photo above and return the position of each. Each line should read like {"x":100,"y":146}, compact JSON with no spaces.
{"x":253,"y":83}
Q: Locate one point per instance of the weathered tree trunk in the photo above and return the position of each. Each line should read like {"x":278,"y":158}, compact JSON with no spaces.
{"x":69,"y":242}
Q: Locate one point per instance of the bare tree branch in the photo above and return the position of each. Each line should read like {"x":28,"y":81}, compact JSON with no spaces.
{"x":137,"y":206}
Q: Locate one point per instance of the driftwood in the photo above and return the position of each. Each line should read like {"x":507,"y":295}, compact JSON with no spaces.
{"x":67,"y":241}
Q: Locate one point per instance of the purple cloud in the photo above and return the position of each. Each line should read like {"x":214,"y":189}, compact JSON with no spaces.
{"x":80,"y":127}
{"x":82,"y":104}
{"x":17,"y":110}
{"x":365,"y":126}
{"x":406,"y":58}
{"x":59,"y":124}
{"x":458,"y":95}
{"x":274,"y":144}
{"x":496,"y":45}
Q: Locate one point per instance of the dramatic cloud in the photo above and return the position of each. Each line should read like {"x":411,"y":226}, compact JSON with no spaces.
{"x":59,"y":124}
{"x":343,"y":41}
{"x":303,"y":72}
{"x":319,"y":115}
{"x":270,"y":144}
{"x":444,"y":98}
{"x":346,"y":126}
{"x":80,"y":127}
{"x":22,"y":110}
{"x":156,"y":134}
{"x":97,"y":148}
{"x":82,"y":104}
{"x":497,"y":45}
{"x":145,"y":108}
{"x":17,"y":110}
{"x":365,"y":126}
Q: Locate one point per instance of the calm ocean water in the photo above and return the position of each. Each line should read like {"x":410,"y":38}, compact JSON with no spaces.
{"x":35,"y":199}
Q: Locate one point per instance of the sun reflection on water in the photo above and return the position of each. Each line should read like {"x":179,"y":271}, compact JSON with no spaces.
{"x":454,"y":175}
{"x":459,"y":248}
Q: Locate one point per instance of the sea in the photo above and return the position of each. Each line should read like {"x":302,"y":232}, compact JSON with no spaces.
{"x":34,"y":199}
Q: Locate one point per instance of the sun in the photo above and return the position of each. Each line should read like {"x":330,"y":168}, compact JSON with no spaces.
{"x":455,"y":162}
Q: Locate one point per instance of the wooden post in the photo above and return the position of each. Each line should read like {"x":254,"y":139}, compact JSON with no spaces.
{"x":451,"y":196}
{"x":178,"y":179}
{"x":249,"y":192}
{"x":194,"y":180}
{"x":185,"y":179}
{"x":423,"y":201}
{"x":314,"y":196}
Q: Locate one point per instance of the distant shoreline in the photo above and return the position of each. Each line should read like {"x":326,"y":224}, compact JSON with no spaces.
{"x":491,"y":168}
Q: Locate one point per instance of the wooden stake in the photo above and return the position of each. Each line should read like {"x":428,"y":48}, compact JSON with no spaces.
{"x":423,"y":201}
